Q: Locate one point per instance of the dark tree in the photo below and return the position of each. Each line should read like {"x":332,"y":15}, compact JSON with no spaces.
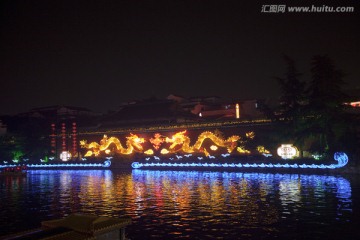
{"x":325,"y":92}
{"x":25,"y":135}
{"x":292,"y":96}
{"x":291,"y":108}
{"x":292,"y":90}
{"x":315,"y":118}
{"x":11,"y":147}
{"x":326,"y":110}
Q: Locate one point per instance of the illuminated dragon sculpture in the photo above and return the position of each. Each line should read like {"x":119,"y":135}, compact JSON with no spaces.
{"x":184,"y":141}
{"x":178,"y":142}
{"x":133,"y":143}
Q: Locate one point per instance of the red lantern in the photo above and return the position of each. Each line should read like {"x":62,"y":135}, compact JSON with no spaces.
{"x":53,"y":138}
{"x":63,"y":136}
{"x":74,"y":139}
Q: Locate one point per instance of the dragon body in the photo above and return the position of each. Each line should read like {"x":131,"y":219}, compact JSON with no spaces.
{"x":179,"y":142}
{"x":133,"y":143}
{"x":180,"y":139}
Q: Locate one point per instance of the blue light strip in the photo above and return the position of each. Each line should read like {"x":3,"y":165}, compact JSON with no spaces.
{"x":5,"y":166}
{"x":341,"y":158}
{"x":105,"y":164}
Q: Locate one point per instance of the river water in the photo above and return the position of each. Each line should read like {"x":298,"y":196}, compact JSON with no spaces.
{"x":189,"y":204}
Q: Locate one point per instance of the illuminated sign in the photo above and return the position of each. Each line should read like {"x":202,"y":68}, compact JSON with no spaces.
{"x":65,"y":156}
{"x":287,"y":151}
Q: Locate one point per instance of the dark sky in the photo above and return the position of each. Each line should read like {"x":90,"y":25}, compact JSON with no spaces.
{"x":97,"y":54}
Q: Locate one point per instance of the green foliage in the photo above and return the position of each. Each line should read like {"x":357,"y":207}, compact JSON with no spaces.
{"x":17,"y":155}
{"x":11,"y":147}
{"x":46,"y":159}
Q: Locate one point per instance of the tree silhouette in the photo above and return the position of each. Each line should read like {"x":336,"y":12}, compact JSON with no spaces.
{"x":314,"y":117}
{"x":325,"y":110}
{"x":292,"y":101}
{"x":292,"y":92}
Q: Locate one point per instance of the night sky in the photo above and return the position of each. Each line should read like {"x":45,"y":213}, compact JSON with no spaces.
{"x":98,"y":54}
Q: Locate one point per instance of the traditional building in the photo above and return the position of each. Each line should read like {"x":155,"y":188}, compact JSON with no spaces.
{"x":145,"y":112}
{"x":59,"y":112}
{"x":216,"y":108}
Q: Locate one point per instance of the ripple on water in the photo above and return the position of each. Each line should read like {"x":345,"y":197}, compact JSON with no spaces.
{"x":183,"y":204}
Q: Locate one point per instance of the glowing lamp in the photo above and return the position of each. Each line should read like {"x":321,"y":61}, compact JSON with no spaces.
{"x":213,"y":147}
{"x":237,"y":109}
{"x":287,"y":151}
{"x":65,"y":156}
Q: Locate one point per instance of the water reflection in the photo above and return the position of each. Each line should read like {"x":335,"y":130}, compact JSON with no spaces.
{"x":254,"y":196}
{"x":179,"y":204}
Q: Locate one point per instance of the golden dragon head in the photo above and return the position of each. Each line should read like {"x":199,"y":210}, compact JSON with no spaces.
{"x":135,"y":141}
{"x":83,"y":143}
{"x":177,"y":139}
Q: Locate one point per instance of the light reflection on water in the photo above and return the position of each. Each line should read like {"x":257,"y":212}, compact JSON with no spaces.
{"x":182,"y":204}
